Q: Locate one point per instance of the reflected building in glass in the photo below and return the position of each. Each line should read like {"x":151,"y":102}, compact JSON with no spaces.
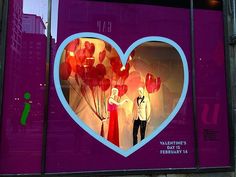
{"x":24,"y":71}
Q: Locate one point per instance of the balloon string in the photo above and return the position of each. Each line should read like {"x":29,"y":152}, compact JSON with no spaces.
{"x":78,"y":102}
{"x":105,"y":105}
{"x":111,"y":81}
{"x":94,"y":99}
{"x":99,"y":108}
{"x":87,"y":100}
{"x":94,"y":111}
{"x":100,"y":101}
{"x":79,"y":94}
{"x":84,"y":99}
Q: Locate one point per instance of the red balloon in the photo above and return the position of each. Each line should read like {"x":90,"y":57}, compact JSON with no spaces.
{"x":124,"y":73}
{"x":116,"y":66}
{"x":122,"y":89}
{"x":80,"y":56}
{"x":64,"y":71}
{"x":89,"y":61}
{"x":80,"y":70}
{"x":72,"y":45}
{"x":105,"y":84}
{"x":101,"y":71}
{"x":90,"y":48}
{"x":87,"y":44}
{"x":152,"y":84}
{"x":87,"y":53}
{"x":116,"y":69}
{"x":108,"y":46}
{"x":102,"y":56}
{"x":72,"y":62}
{"x":91,"y":77}
{"x":91,"y":72}
{"x":115,"y":63}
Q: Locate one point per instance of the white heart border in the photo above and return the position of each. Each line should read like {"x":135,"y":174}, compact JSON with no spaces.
{"x":123,"y":57}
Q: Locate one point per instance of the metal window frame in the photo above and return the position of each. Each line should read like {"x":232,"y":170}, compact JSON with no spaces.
{"x":229,"y":84}
{"x":3,"y":33}
{"x":194,"y":104}
{"x":47,"y":91}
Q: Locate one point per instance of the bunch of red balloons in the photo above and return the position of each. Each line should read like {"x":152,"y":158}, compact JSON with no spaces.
{"x":81,"y":62}
{"x":80,"y":65}
{"x":121,"y":72}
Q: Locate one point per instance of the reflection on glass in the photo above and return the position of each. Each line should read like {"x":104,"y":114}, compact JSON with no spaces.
{"x":211,"y":96}
{"x":24,"y":72}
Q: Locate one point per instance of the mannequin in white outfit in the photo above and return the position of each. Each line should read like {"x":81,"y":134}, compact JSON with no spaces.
{"x":141,"y":111}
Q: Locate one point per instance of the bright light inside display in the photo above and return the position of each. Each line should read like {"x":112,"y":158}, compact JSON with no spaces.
{"x":72,"y":54}
{"x":122,"y":68}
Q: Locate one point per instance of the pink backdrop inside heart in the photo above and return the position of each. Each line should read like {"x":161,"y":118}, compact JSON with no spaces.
{"x":91,"y":68}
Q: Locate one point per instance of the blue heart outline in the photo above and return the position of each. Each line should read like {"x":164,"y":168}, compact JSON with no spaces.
{"x":124,"y":58}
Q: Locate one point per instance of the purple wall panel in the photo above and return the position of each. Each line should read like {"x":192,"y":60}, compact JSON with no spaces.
{"x":20,"y":146}
{"x":213,"y":137}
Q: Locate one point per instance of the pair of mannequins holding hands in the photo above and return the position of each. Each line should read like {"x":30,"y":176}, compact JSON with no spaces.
{"x":141,"y":115}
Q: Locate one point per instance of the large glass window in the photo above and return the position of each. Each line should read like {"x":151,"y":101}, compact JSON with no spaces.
{"x":211,"y":97}
{"x":67,"y":144}
{"x":70,"y":104}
